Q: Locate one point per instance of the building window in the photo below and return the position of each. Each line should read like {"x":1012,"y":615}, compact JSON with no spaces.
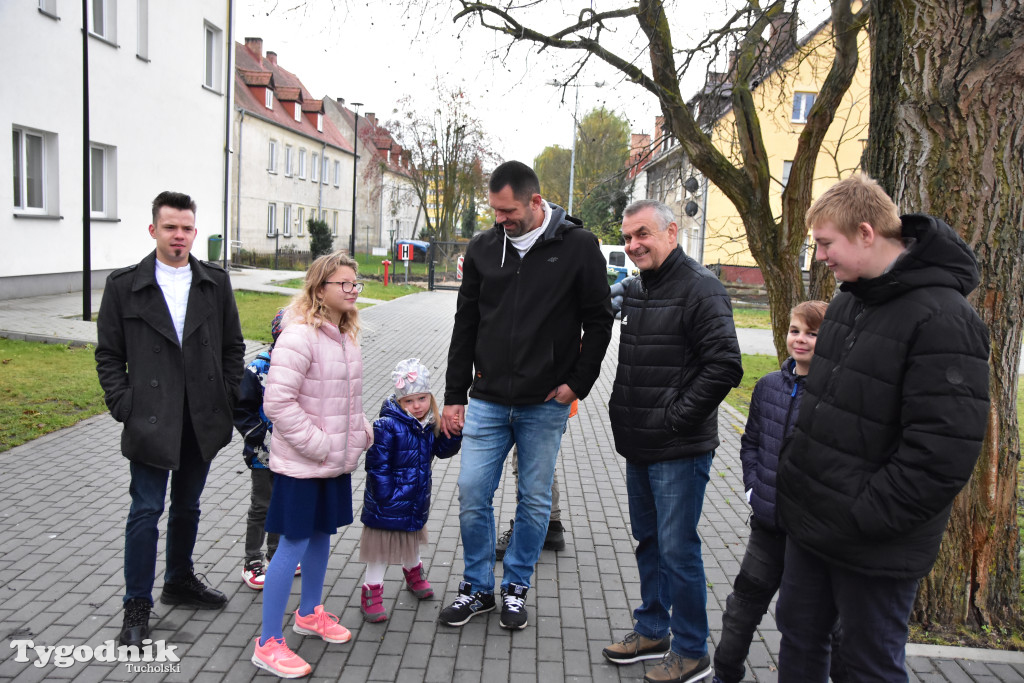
{"x":103,"y":180}
{"x":287,"y":217}
{"x":802,"y":103}
{"x":300,"y":228}
{"x":327,"y":169}
{"x":300,"y":219}
{"x":272,"y":220}
{"x":288,"y":160}
{"x":48,"y":7}
{"x":268,"y":98}
{"x":320,"y":123}
{"x":142,"y":30}
{"x":214,"y":58}
{"x":337,"y":173}
{"x":34,"y":157}
{"x":298,"y":112}
{"x":103,"y":18}
{"x":807,"y":253}
{"x":334,"y":226}
{"x":272,"y":162}
{"x":302,"y":164}
{"x":787,"y":166}
{"x":315,"y":170}
{"x":323,"y":215}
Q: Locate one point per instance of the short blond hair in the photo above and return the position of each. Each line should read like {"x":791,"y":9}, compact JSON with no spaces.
{"x":307,"y":306}
{"x":855,"y":200}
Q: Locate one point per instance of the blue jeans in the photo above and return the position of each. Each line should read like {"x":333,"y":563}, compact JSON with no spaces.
{"x":148,"y":488}
{"x":490,"y":431}
{"x":665,"y":502}
{"x":873,"y":612}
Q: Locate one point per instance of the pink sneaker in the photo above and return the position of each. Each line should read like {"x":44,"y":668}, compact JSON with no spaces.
{"x":279,"y":660}
{"x":372,"y":603}
{"x":323,"y":624}
{"x":417,"y":582}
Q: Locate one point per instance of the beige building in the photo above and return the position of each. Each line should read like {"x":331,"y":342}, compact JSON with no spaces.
{"x":290,"y":161}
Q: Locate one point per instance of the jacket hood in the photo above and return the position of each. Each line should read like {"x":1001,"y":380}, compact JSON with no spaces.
{"x":560,"y":223}
{"x":936,"y":257}
{"x":390,"y":408}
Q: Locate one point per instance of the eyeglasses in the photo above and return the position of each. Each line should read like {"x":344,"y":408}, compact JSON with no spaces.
{"x":346,"y":286}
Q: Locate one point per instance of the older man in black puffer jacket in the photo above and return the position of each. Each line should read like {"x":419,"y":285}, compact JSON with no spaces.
{"x":678,"y":358}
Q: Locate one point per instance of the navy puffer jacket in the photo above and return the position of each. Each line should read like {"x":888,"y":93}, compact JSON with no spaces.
{"x":397,"y":495}
{"x":773,"y":410}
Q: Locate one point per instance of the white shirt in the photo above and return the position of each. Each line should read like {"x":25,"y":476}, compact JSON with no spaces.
{"x":175,"y":283}
{"x":524,"y":242}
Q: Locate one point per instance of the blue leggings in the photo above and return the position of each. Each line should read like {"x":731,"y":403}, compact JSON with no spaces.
{"x":312,"y":552}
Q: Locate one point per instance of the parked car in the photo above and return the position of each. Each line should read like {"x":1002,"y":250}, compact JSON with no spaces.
{"x":419,"y":249}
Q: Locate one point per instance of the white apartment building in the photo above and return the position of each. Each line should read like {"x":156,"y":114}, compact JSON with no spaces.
{"x":158,"y":92}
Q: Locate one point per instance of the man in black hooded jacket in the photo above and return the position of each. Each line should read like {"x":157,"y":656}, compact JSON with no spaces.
{"x":890,"y":427}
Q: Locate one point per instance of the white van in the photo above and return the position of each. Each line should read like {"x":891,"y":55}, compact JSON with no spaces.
{"x":616,"y":260}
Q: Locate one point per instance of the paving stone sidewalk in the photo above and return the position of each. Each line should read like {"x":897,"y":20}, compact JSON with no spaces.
{"x":64,"y":499}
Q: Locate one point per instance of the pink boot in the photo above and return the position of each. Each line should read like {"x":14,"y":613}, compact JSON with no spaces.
{"x":373,"y":603}
{"x":417,"y":582}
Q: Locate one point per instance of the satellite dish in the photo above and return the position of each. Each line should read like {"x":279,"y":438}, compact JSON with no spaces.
{"x":690,"y":209}
{"x":691,"y":184}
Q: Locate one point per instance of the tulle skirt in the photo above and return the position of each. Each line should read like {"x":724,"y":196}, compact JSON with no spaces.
{"x":391,"y":547}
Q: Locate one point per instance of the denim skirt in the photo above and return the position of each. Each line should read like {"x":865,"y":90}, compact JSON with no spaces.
{"x":298,"y":507}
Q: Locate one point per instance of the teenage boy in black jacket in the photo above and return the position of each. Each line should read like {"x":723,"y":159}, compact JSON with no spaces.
{"x":890,"y":428}
{"x":532,"y":325}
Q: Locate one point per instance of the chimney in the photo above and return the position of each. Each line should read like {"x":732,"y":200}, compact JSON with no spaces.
{"x":341,"y":101}
{"x":783,"y":35}
{"x":255,"y":46}
{"x":272,"y":57}
{"x":371,"y":117}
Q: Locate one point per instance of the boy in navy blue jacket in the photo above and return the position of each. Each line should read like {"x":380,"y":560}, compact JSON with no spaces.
{"x":255,"y":428}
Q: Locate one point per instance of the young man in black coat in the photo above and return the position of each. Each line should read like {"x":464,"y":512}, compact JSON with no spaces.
{"x":890,"y":427}
{"x":169,"y":358}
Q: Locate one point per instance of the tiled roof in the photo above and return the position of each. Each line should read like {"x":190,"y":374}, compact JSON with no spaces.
{"x":250,"y":67}
{"x":373,"y":136}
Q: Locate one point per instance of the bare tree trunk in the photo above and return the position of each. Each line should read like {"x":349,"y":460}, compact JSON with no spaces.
{"x":947,"y":134}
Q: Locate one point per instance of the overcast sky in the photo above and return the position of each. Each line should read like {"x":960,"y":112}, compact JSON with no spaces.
{"x":379,"y":52}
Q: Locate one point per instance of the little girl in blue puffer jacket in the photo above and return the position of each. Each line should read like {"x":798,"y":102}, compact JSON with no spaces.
{"x":396,"y":501}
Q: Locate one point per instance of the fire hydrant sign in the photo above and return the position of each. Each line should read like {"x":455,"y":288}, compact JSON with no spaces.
{"x":458,"y":268}
{"x":404,"y":252}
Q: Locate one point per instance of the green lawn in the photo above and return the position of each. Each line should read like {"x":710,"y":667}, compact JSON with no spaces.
{"x":43,"y":388}
{"x":256,"y":310}
{"x":756,"y":318}
{"x":754,"y":368}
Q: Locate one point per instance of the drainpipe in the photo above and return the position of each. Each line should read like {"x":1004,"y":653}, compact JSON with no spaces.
{"x":229,"y":102}
{"x":238,"y":178}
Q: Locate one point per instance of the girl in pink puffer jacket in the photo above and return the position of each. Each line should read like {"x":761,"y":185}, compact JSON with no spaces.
{"x":314,"y":398}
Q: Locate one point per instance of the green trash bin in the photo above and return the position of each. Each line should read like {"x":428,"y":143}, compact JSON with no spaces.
{"x":213,"y":247}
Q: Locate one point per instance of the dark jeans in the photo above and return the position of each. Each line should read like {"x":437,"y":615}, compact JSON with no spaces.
{"x":148,"y":489}
{"x":873,"y":610}
{"x":756,"y":584}
{"x":259,"y":501}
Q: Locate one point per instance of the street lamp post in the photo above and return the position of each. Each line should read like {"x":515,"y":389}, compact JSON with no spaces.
{"x":355,"y":166}
{"x":575,"y":127}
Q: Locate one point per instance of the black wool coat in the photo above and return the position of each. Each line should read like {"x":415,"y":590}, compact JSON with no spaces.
{"x":894,"y":412}
{"x":146,"y":375}
{"x":678,"y":358}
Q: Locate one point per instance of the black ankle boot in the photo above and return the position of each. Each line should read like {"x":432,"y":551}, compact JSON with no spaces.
{"x":554,"y":540}
{"x":135,"y":628}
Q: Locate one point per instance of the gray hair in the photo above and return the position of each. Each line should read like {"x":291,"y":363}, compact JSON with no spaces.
{"x":661,"y":210}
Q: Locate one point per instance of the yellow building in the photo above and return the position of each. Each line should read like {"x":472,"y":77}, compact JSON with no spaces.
{"x":711,"y":230}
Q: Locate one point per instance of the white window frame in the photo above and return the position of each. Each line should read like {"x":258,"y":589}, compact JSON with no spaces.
{"x":787,"y":168}
{"x":300,"y":218}
{"x":48,"y":182}
{"x":272,"y":219}
{"x":337,"y":173}
{"x":49,"y":8}
{"x":802,"y":103}
{"x":298,"y":112}
{"x":315,"y":168}
{"x":320,"y":123}
{"x":302,"y":163}
{"x":268,"y":98}
{"x":103,"y":181}
{"x":107,"y":28}
{"x":272,"y":161}
{"x":142,"y":29}
{"x":213,"y":57}
{"x":287,"y":217}
{"x":807,"y":252}
{"x":325,"y":174}
{"x":300,"y":227}
{"x":288,"y":161}
{"x":334,"y":229}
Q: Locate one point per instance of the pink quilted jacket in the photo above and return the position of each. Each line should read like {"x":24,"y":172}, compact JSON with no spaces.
{"x":314,"y":397}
